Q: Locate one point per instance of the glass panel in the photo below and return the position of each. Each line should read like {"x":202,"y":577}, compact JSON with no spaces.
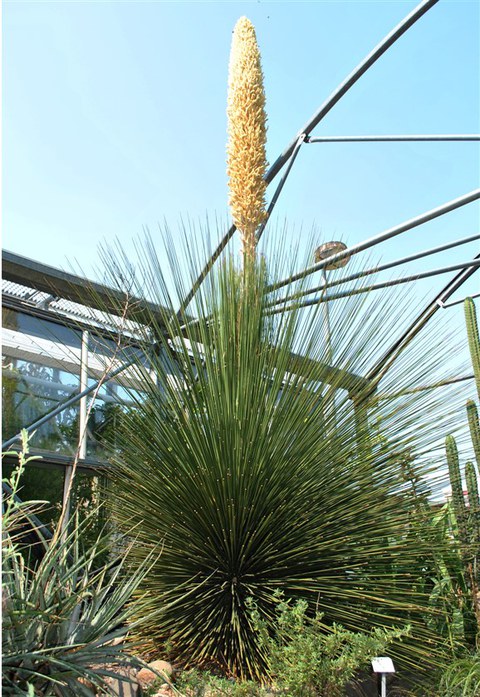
{"x":106,"y":417}
{"x":41,"y":328}
{"x":39,"y":365}
{"x":41,"y":484}
{"x":29,"y":391}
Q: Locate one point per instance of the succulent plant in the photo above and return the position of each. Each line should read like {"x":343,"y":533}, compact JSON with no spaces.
{"x":65,"y":616}
{"x":468,"y":517}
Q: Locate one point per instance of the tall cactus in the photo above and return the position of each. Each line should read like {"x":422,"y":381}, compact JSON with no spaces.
{"x":458,"y":499}
{"x":473,"y":339}
{"x":473,"y":504}
{"x":468,"y":519}
{"x":474,"y":426}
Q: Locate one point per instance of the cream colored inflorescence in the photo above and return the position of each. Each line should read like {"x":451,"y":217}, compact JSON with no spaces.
{"x":246,"y":156}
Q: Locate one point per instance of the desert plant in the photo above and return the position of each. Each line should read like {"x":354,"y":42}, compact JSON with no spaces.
{"x":466,"y":528}
{"x":306,"y":657}
{"x":64,"y":616}
{"x":243,"y":459}
{"x":195,"y":683}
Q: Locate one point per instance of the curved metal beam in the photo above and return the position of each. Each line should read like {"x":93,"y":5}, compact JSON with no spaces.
{"x":396,"y":138}
{"x":375,"y":269}
{"x":386,"y":235}
{"x":349,"y":81}
{"x":327,"y":105}
{"x":475,"y":263}
{"x":384,"y":363}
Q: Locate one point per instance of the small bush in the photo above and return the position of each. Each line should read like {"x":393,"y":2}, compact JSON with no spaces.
{"x":462,"y":678}
{"x":306,"y":657}
{"x":194,"y":683}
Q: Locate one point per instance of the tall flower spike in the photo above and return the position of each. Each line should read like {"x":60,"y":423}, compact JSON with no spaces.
{"x":246,"y":156}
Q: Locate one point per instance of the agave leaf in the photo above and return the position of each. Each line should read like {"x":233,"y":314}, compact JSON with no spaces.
{"x":61,"y":616}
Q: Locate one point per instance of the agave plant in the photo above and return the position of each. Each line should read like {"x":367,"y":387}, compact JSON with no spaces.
{"x":256,"y":465}
{"x":65,"y":615}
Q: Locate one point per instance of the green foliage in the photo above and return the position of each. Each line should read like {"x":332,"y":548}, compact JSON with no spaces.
{"x":461,"y":678}
{"x":244,"y":461}
{"x":306,"y":657}
{"x":473,"y":520}
{"x":194,"y":683}
{"x":466,"y":528}
{"x":474,"y":426}
{"x":457,"y":488}
{"x":61,"y":613}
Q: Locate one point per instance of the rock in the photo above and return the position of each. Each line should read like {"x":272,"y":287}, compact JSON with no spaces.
{"x":147,"y":676}
{"x":125,"y":685}
{"x":122,"y":688}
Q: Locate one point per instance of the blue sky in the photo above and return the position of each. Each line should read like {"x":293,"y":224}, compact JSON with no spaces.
{"x":114,"y":119}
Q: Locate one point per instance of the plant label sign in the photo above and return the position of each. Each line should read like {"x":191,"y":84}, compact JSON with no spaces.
{"x":382,"y":664}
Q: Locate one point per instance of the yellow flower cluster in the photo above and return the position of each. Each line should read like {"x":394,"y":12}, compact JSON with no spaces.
{"x":246,"y":156}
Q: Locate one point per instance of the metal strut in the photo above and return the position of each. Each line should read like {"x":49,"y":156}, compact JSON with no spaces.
{"x":388,"y":234}
{"x":396,"y":138}
{"x":324,"y":109}
{"x":382,"y":365}
{"x":475,"y":263}
{"x":376,"y":269}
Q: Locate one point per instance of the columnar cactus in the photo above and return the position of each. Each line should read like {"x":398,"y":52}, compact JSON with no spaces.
{"x":473,"y":504}
{"x":474,"y":426}
{"x":473,"y":339}
{"x":457,"y":488}
{"x":246,"y":156}
{"x":468,"y":519}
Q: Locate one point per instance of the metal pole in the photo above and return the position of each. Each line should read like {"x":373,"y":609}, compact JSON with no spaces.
{"x":82,"y":427}
{"x":329,"y":103}
{"x":425,"y":388}
{"x":349,"y":81}
{"x":474,"y":263}
{"x":328,"y":331}
{"x":388,"y":234}
{"x":395,"y":138}
{"x":282,"y":181}
{"x":458,"y":302}
{"x":384,"y":685}
{"x":381,"y":267}
{"x":381,"y":367}
{"x":82,"y":420}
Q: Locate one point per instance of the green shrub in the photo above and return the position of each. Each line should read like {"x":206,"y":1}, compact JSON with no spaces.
{"x":194,"y":683}
{"x":461,"y":678}
{"x":306,"y":657}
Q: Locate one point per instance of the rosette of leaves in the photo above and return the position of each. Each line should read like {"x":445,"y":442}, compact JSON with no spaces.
{"x":65,"y":614}
{"x":242,"y":457}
